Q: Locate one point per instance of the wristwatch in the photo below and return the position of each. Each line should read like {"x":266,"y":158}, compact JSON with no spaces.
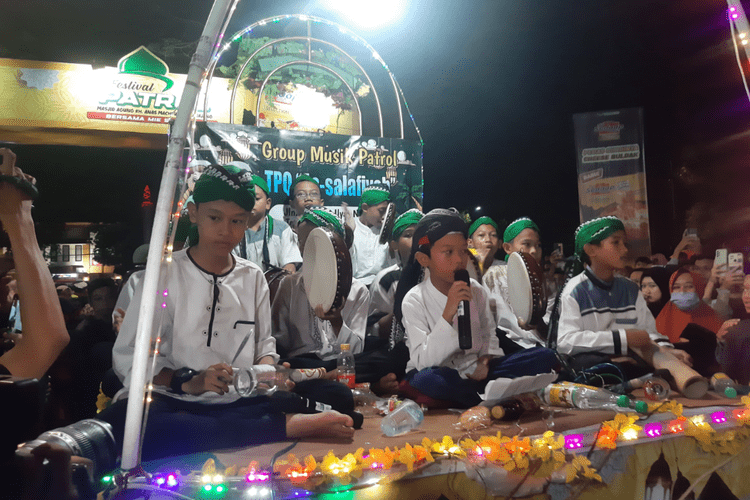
{"x":179,"y":377}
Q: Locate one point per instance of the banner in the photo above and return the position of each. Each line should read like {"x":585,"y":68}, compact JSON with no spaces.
{"x":46,"y":102}
{"x":611,"y":172}
{"x":343,"y":165}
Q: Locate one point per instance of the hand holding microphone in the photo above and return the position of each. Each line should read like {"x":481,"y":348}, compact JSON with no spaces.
{"x":464,"y":313}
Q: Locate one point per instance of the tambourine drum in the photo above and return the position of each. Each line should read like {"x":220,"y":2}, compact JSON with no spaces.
{"x":526,"y":288}
{"x":274,"y":275}
{"x":388,"y":220}
{"x":327,"y":269}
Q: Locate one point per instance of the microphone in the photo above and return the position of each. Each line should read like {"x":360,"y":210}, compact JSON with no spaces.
{"x":464,"y":314}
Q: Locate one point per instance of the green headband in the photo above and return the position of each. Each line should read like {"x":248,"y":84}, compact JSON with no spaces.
{"x":323,"y":218}
{"x":405,"y":220}
{"x":480,"y":222}
{"x":594,"y":231}
{"x":515,"y":228}
{"x":301,"y":178}
{"x":261,"y":183}
{"x":227,"y":183}
{"x":374,"y":195}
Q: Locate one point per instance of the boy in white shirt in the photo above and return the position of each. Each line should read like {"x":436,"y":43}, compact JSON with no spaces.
{"x":369,"y":256}
{"x":268,"y":242}
{"x":439,"y":372}
{"x":212,"y":304}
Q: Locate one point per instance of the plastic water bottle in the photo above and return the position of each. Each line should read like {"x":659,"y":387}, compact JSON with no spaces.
{"x":722,"y":384}
{"x":656,"y":389}
{"x":407,"y":416}
{"x":265,"y":380}
{"x":345,"y":367}
{"x":586,"y":397}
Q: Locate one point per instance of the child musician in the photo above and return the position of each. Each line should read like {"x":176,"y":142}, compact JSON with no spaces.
{"x":308,"y":338}
{"x":213,"y":303}
{"x":369,"y":256}
{"x":383,"y":288}
{"x":268,"y":241}
{"x":603,"y":315}
{"x":439,"y":372}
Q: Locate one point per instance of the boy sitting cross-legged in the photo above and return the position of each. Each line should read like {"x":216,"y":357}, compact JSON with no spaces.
{"x":440,"y":372}
{"x":214,"y":303}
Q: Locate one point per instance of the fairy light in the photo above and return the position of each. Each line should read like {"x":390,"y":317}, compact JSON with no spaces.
{"x":653,"y":430}
{"x":676,"y":426}
{"x":698,"y":419}
{"x":630,"y":434}
{"x":718,"y":417}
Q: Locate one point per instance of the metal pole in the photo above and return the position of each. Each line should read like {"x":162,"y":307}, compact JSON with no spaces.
{"x":206,"y":47}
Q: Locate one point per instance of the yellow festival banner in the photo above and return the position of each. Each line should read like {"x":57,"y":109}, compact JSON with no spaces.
{"x":63,"y":103}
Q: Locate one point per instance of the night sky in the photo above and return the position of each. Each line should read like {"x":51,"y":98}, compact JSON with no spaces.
{"x":492,"y":84}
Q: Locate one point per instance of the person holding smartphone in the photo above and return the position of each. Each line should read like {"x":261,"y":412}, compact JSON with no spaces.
{"x":45,"y":335}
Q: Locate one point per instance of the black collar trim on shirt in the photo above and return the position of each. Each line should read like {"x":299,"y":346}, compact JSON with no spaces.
{"x":234,"y":263}
{"x":597,"y":281}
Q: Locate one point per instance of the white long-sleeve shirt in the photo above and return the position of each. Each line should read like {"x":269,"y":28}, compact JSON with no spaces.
{"x":595,"y":315}
{"x":298,"y":331}
{"x":204,"y":322}
{"x":432,"y":341}
{"x":369,"y":256}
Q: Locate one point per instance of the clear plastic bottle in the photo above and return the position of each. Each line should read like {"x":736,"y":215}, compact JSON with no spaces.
{"x":407,"y":416}
{"x":656,"y":389}
{"x":369,"y":404}
{"x":586,"y":397}
{"x":264,"y":380}
{"x":345,"y":367}
{"x":723,"y":385}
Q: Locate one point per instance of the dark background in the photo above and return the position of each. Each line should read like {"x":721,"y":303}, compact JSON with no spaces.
{"x":492,"y":86}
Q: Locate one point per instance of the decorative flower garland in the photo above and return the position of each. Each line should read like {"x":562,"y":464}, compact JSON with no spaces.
{"x":541,"y":456}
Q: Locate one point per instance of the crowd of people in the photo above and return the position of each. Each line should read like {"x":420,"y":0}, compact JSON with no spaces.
{"x":399,"y":319}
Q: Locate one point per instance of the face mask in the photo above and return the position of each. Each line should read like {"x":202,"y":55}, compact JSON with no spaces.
{"x":685,"y":301}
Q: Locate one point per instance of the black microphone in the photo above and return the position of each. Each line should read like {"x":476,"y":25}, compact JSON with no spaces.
{"x":464,"y":314}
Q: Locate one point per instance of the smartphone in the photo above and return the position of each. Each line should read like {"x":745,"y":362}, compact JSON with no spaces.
{"x":559,"y":249}
{"x":721,"y":257}
{"x":734,"y":263}
{"x":691,"y":231}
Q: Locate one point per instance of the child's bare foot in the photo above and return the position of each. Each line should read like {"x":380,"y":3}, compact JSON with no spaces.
{"x":325,"y":424}
{"x":387,"y":385}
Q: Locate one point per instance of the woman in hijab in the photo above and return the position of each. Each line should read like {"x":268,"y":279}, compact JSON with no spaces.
{"x":690,"y":323}
{"x":655,"y":288}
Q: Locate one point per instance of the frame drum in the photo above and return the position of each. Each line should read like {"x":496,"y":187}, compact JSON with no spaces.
{"x":526,"y":288}
{"x":388,"y":220}
{"x":327,"y":269}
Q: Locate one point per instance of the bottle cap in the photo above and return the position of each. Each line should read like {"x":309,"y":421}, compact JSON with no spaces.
{"x":344,"y":347}
{"x":623,"y":401}
{"x":641,"y":407}
{"x":498,"y":412}
{"x":730,"y":392}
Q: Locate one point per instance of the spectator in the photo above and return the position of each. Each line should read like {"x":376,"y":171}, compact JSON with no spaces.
{"x":655,"y":288}
{"x":44,"y":334}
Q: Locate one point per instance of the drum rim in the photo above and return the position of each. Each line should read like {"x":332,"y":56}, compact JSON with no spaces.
{"x":308,"y":272}
{"x":515,"y":260}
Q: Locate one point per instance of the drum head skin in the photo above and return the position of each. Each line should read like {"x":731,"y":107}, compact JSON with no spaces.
{"x":388,"y":220}
{"x":525,"y":287}
{"x":327,"y":269}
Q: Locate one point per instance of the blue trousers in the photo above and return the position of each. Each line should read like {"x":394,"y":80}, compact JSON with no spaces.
{"x":446,"y":384}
